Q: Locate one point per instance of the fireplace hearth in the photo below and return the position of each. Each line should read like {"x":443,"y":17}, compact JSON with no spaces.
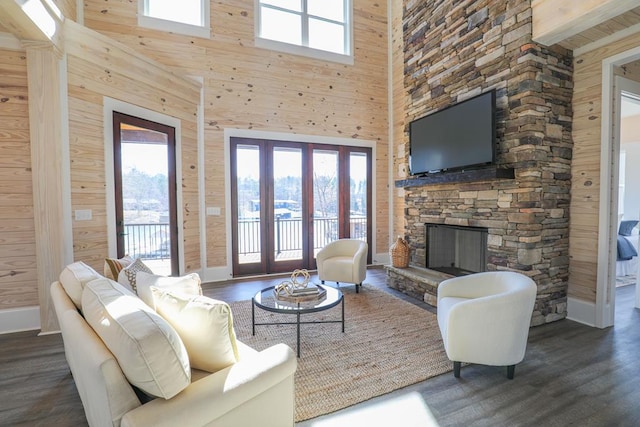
{"x":456,"y":250}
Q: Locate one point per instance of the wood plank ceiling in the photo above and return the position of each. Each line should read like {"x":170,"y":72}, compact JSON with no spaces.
{"x":584,"y":25}
{"x":607,"y":28}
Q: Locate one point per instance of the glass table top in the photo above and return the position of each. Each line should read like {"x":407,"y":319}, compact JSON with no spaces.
{"x":266,"y":299}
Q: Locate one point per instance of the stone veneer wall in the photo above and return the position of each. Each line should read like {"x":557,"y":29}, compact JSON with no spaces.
{"x":456,"y":50}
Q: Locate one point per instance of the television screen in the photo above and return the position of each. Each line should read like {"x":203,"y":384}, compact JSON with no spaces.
{"x":456,"y":137}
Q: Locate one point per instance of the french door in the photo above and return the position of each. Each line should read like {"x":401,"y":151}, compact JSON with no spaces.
{"x":290,"y":199}
{"x":145,"y":192}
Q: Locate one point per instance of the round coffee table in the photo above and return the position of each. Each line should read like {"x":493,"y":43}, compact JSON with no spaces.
{"x":266,"y":300}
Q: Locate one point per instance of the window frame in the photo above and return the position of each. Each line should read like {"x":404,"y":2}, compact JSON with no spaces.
{"x":303,"y":49}
{"x":203,"y":30}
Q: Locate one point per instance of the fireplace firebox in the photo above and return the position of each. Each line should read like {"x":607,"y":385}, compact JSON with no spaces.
{"x":456,"y":250}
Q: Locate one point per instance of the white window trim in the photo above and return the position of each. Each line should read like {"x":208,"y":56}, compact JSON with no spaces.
{"x":203,"y":31}
{"x":346,"y":58}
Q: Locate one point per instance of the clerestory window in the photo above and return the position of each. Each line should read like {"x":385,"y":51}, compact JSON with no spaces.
{"x":190,"y":17}
{"x":317,"y":28}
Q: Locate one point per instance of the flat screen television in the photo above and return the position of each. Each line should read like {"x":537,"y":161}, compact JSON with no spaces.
{"x":457,"y":137}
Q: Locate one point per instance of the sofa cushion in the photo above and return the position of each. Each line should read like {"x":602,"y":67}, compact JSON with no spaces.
{"x":205,"y":326}
{"x":149,"y":351}
{"x":127,"y":276}
{"x":188,"y":284}
{"x":112,"y":266}
{"x":74,"y":277}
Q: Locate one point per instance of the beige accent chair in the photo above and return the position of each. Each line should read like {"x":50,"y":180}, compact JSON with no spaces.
{"x":343,"y":260}
{"x":485,"y":318}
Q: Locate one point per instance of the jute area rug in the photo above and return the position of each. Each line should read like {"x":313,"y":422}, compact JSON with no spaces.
{"x":388,"y":344}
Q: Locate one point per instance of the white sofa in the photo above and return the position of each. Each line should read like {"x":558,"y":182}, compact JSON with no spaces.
{"x":485,"y":318}
{"x":256,"y":390}
{"x":343,"y":260}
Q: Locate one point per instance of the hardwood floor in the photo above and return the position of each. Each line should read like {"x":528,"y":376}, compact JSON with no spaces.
{"x":571,"y":375}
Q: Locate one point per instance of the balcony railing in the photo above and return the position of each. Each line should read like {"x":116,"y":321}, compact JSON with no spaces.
{"x":147,"y":241}
{"x":152,"y":241}
{"x":288,"y":234}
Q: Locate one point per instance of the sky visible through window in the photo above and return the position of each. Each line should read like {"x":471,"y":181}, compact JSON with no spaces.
{"x":147,"y":158}
{"x":282,"y":20}
{"x":184,"y":11}
{"x":325,"y":166}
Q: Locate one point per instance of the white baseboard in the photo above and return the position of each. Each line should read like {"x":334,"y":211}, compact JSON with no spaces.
{"x":581,"y":311}
{"x":382,"y":258}
{"x":19,"y":319}
{"x":216,"y":274}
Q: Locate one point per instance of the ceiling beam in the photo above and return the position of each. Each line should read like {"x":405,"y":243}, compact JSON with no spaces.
{"x":555,"y":21}
{"x":32,"y":20}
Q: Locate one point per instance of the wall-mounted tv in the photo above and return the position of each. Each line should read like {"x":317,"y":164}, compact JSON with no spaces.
{"x":457,"y":137}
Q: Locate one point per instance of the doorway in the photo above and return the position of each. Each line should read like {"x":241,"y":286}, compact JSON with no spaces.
{"x":289,"y":199}
{"x":627,"y":267}
{"x":614,"y":87}
{"x":144,"y":157}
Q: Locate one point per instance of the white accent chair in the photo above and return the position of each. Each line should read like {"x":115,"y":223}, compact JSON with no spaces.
{"x":485,"y":318}
{"x":343,"y":260}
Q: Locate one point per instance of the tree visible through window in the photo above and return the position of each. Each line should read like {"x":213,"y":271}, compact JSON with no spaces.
{"x":316,"y":24}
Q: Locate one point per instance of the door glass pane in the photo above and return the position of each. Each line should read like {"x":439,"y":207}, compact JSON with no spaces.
{"x":248,"y":182}
{"x":325,"y":198}
{"x":145,"y":196}
{"x":287,"y":203}
{"x":358,"y":196}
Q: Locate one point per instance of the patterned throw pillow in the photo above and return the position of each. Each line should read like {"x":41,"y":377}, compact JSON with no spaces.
{"x":112,"y":266}
{"x":127,"y":276}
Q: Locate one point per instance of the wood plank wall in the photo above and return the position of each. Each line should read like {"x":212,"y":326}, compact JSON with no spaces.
{"x":69,"y":8}
{"x":98,"y":67}
{"x":251,"y":88}
{"x":585,"y":167}
{"x":18,"y":281}
{"x":400,"y":138}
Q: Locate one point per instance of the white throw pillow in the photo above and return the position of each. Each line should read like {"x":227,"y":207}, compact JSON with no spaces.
{"x":189,"y":284}
{"x":74,"y":277}
{"x":149,"y":351}
{"x":205,"y":326}
{"x":127,"y":277}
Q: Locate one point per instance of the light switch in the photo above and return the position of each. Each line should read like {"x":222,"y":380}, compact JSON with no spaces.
{"x":83,"y":214}
{"x":213,"y":211}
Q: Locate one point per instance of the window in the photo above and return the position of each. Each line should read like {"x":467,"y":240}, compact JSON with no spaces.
{"x":317,"y":28}
{"x":190,"y":17}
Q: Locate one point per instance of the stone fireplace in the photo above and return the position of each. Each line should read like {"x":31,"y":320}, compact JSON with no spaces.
{"x":456,"y":250}
{"x":452,"y":52}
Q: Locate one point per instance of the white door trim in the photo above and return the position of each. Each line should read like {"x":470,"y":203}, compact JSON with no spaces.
{"x":610,"y":148}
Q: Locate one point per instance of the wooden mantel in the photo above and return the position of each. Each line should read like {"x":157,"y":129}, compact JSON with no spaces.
{"x":482,"y":174}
